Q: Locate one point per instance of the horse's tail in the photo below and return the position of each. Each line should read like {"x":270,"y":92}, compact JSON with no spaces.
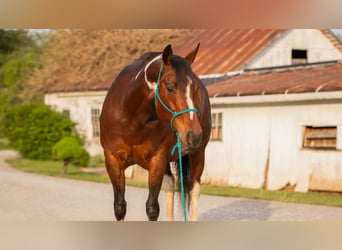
{"x":186,"y":178}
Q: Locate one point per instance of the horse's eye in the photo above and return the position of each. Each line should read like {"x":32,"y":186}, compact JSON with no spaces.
{"x":169,"y":89}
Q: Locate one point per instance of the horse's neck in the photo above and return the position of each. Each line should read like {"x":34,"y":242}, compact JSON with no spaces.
{"x":139,"y":100}
{"x":136,"y":95}
{"x":147,"y":75}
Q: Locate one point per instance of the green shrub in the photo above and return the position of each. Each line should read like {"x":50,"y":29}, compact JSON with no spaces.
{"x":70,"y":150}
{"x":33,"y":129}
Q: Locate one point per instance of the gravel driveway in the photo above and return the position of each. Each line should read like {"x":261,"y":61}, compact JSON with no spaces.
{"x":39,"y":198}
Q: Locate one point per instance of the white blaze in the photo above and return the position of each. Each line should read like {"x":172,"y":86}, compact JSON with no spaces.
{"x":188,"y":97}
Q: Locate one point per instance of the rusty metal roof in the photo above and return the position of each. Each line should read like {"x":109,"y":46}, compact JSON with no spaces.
{"x":226,"y":50}
{"x":287,"y":80}
{"x":223,"y":50}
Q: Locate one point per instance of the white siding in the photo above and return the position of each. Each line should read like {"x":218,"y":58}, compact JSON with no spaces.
{"x":252,"y":133}
{"x":339,"y":137}
{"x":229,"y":159}
{"x":318,"y":47}
{"x":80,"y":104}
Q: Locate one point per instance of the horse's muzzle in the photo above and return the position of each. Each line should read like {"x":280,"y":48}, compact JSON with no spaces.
{"x":192,"y":140}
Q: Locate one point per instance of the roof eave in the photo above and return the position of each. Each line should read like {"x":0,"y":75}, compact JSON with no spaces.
{"x":276,"y":98}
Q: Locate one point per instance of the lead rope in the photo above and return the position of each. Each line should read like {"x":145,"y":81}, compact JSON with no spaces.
{"x":178,"y":144}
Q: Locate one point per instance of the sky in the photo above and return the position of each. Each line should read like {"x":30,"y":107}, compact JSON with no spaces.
{"x":337,"y":32}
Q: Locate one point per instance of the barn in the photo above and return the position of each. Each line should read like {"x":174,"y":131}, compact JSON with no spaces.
{"x":276,"y":98}
{"x":278,"y":129}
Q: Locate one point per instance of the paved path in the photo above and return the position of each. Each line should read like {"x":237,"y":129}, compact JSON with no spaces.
{"x":39,"y":198}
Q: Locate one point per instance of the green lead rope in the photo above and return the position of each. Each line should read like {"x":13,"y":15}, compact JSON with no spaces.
{"x":178,"y":144}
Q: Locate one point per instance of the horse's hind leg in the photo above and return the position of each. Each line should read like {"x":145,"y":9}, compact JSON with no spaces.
{"x":116,"y":173}
{"x":169,"y":187}
{"x":196,"y":165}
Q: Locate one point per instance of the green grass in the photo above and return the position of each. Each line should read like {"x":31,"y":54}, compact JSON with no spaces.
{"x":315,"y":198}
{"x":53,"y":168}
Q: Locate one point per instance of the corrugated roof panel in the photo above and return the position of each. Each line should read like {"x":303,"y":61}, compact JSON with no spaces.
{"x":317,"y":78}
{"x":227,"y":50}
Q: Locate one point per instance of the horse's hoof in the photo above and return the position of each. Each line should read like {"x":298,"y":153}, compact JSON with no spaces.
{"x":152,"y":213}
{"x":120,"y":210}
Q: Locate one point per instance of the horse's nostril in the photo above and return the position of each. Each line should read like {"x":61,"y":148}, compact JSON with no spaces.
{"x":200,"y":138}
{"x":193,"y":140}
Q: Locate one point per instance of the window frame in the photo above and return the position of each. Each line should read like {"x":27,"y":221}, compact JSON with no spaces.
{"x":95,"y":122}
{"x":216,"y":126}
{"x":297,"y":58}
{"x":315,"y":136}
{"x":66,"y":113}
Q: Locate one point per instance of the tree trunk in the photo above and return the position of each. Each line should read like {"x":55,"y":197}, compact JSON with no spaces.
{"x":65,"y":166}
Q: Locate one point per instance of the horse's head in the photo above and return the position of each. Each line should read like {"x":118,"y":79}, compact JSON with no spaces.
{"x":176,"y":92}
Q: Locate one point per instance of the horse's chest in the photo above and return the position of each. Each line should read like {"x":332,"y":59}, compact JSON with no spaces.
{"x":142,"y":143}
{"x":152,"y":146}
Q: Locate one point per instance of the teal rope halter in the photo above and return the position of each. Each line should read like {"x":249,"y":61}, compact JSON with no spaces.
{"x":178,"y":144}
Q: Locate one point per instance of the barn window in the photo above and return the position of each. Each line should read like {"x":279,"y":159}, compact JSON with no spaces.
{"x":95,"y":116}
{"x":320,"y":137}
{"x":66,"y":113}
{"x":216,"y":126}
{"x":299,"y":56}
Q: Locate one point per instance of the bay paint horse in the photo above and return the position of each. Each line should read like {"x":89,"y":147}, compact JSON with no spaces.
{"x":136,"y":127}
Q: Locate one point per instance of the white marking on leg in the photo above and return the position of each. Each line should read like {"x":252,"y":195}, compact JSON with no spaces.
{"x":169,"y":187}
{"x":194,"y":196}
{"x":188,"y":97}
{"x":174,"y":171}
{"x":151,"y":85}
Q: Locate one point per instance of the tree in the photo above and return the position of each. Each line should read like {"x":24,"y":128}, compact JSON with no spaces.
{"x":69,"y":150}
{"x":19,"y":55}
{"x":82,"y":58}
{"x":12,"y":40}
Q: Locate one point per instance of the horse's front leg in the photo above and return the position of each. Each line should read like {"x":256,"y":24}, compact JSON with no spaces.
{"x":196,"y":166}
{"x":155,"y":179}
{"x":116,"y":173}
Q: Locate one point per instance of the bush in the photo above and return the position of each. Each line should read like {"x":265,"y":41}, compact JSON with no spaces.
{"x":69,"y":150}
{"x":33,"y":129}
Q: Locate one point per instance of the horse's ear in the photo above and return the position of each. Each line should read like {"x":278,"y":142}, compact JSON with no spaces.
{"x":167,"y":54}
{"x":192,"y":55}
